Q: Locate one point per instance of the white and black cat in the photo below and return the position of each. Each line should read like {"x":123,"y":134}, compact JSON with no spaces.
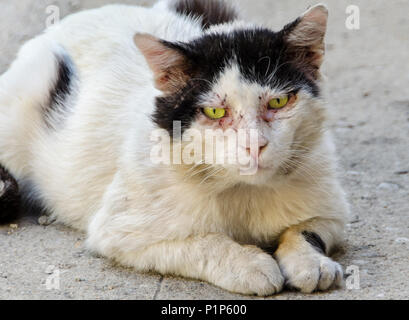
{"x":80,"y":103}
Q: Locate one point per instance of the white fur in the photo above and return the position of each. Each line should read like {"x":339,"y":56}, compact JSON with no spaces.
{"x":94,"y":173}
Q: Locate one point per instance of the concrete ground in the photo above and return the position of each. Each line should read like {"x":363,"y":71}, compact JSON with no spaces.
{"x":368,"y":77}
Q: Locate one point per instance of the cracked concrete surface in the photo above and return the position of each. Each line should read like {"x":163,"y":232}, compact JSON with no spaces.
{"x":368,"y":76}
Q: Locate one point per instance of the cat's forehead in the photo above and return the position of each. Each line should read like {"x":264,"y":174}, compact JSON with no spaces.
{"x":260,"y":56}
{"x":231,"y":89}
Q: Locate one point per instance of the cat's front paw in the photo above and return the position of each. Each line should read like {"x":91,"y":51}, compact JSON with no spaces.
{"x":253,"y":272}
{"x":310,"y":272}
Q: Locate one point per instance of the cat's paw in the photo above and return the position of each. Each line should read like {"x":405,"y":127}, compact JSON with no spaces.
{"x":311,"y":272}
{"x":253,"y":272}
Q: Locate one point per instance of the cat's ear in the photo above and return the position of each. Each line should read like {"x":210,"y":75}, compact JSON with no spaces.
{"x":167,"y":62}
{"x":305,"y":38}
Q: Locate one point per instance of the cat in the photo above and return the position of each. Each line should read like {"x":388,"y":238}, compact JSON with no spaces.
{"x":80,"y":103}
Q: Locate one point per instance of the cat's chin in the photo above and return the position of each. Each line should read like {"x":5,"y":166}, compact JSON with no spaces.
{"x":259,"y":177}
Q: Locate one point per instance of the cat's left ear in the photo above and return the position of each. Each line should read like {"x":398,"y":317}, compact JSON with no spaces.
{"x":171,"y":68}
{"x":305,"y":38}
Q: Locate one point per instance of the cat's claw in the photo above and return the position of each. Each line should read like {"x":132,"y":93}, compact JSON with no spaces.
{"x":312,"y":272}
{"x":255,"y":273}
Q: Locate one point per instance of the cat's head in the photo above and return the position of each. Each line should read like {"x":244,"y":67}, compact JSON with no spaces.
{"x":244,"y":80}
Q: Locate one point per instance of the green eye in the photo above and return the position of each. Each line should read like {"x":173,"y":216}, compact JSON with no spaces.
{"x":278,"y":103}
{"x":215,"y":113}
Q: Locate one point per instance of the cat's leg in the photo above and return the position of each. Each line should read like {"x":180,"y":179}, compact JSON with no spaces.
{"x":162,"y":241}
{"x":302,"y":255}
{"x":213,"y":257}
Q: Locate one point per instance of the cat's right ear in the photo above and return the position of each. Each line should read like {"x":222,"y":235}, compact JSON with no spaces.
{"x":167,"y":62}
{"x":305,"y":38}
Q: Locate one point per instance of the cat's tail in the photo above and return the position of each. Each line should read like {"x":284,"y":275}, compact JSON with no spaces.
{"x":210,"y":12}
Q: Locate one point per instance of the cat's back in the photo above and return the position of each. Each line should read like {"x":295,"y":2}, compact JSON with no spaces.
{"x":101,"y":37}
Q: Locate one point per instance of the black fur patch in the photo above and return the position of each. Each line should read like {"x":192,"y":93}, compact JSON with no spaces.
{"x":10,"y":200}
{"x":257,"y":52}
{"x":271,"y":249}
{"x":61,"y":89}
{"x":182,"y":105}
{"x":315,"y":240}
{"x":211,"y":12}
